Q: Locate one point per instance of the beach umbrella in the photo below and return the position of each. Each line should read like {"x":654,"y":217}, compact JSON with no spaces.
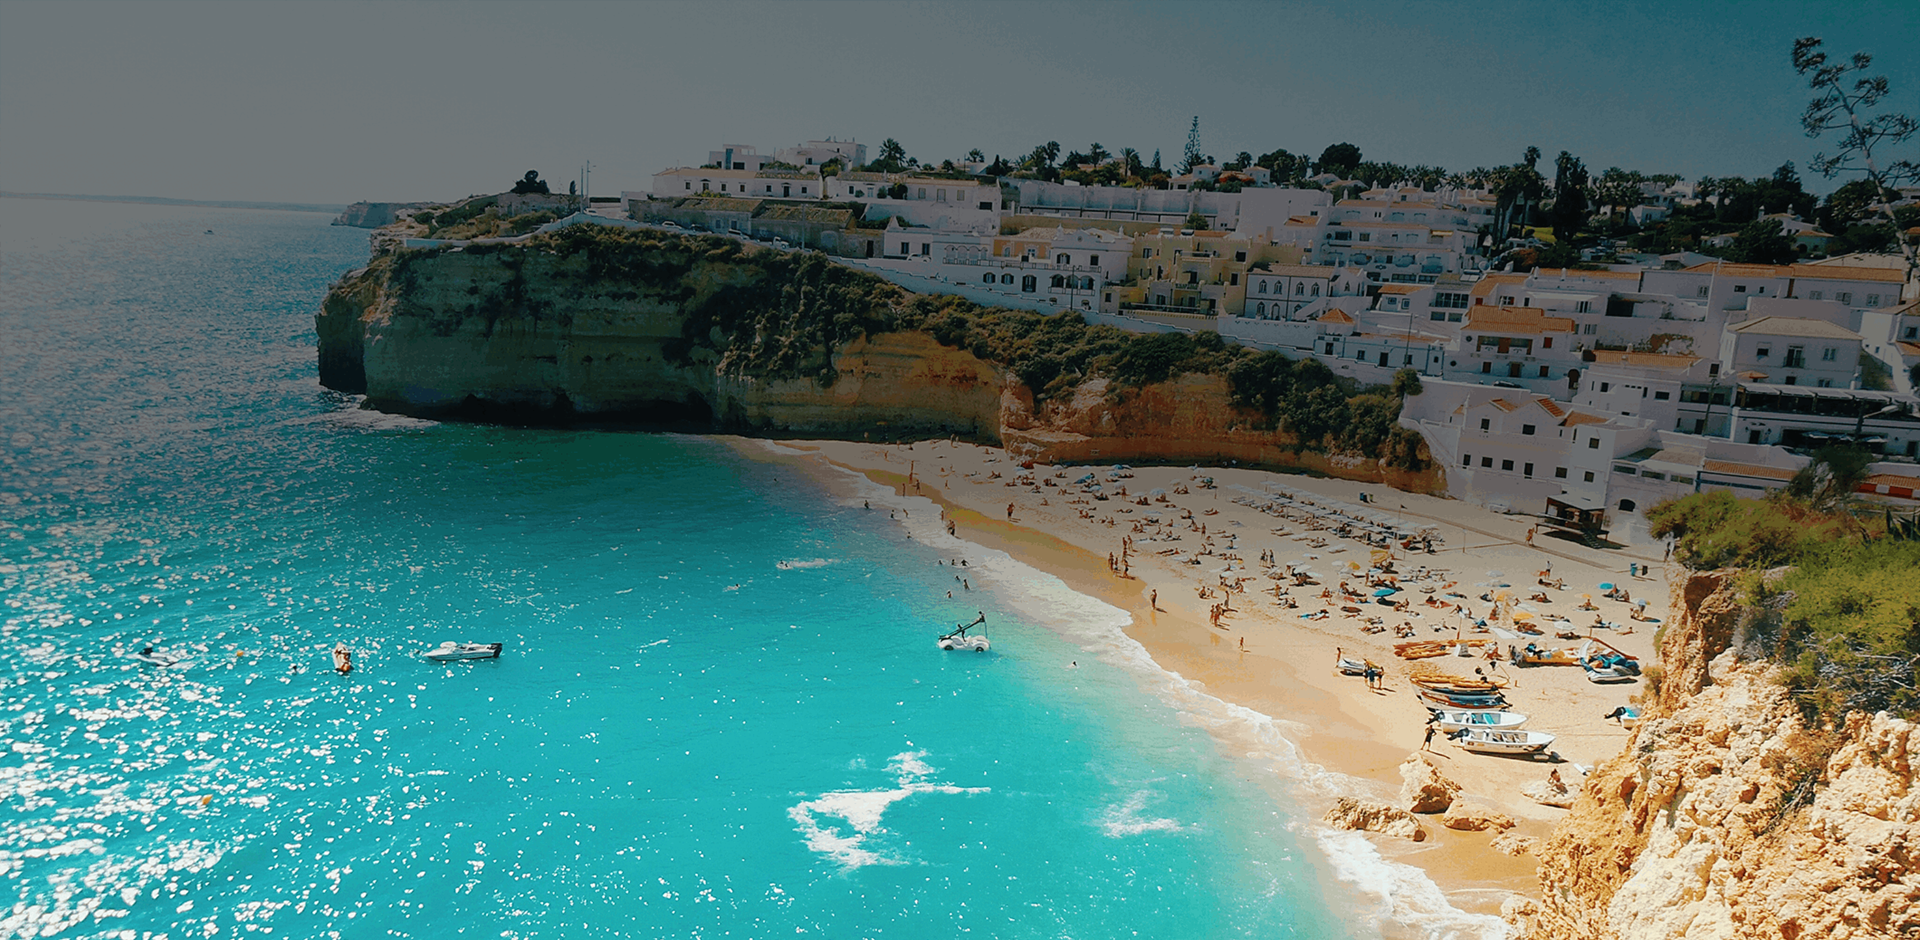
{"x":1522,"y":615}
{"x":1604,"y":586}
{"x":1386,"y":592}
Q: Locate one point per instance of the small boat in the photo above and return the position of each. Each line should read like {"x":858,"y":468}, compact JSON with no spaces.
{"x":959,"y":640}
{"x":1536,"y":655}
{"x":152,"y":658}
{"x":1456,"y":719}
{"x":1499,"y":741}
{"x":1609,"y":666}
{"x":1348,"y":666}
{"x":450,"y":651}
{"x":1476,"y":701}
{"x":1627,"y":715}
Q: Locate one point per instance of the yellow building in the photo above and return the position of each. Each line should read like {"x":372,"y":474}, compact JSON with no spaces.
{"x":1196,"y":274}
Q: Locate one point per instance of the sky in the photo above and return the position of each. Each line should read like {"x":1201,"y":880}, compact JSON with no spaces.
{"x":341,"y":101}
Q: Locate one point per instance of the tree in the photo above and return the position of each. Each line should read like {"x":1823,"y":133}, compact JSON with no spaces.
{"x":1762,"y":241}
{"x":1828,"y":483}
{"x":1130,"y":162}
{"x":1846,"y":102}
{"x":1196,"y":221}
{"x":1340,"y":159}
{"x":999,"y":166}
{"x":1097,"y":153}
{"x":975,"y":156}
{"x":892,"y":159}
{"x":1569,"y":196}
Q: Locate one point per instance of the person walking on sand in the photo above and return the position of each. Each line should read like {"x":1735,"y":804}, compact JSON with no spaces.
{"x":1243,"y":644}
{"x":1009,"y":512}
{"x":1530,"y":536}
{"x":1427,"y":743}
{"x":1153,"y":599}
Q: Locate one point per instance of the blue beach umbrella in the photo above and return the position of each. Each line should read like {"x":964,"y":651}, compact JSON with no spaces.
{"x":1386,"y":592}
{"x":1606,"y":585}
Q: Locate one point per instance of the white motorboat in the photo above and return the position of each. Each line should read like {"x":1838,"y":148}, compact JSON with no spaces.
{"x":1502,"y":741}
{"x":152,"y":658}
{"x":1452,"y":719}
{"x":959,"y":640}
{"x":450,"y":651}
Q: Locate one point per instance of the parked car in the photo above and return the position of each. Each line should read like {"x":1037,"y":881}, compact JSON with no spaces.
{"x":698,"y":227}
{"x":670,"y":224}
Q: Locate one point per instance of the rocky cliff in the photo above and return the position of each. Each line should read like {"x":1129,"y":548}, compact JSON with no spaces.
{"x":1726,"y":815}
{"x":376,"y":214}
{"x":694,"y":334}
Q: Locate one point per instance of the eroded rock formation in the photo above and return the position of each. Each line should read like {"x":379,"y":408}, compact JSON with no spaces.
{"x":529,"y":332}
{"x":1727,"y":816}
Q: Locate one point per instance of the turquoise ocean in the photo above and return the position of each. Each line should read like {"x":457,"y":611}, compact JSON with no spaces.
{"x":720,"y":712}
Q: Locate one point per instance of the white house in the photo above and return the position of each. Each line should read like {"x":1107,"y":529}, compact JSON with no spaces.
{"x":741,"y":184}
{"x":820,"y":152}
{"x":736,"y":157}
{"x":1791,"y":351}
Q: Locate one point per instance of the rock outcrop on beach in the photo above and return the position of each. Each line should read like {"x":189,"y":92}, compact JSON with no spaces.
{"x":1726,"y":815}
{"x":1422,"y":787}
{"x":1374,"y":816}
{"x":686,"y":334}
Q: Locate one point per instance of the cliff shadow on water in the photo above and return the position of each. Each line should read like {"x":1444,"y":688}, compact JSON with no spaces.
{"x":614,"y":327}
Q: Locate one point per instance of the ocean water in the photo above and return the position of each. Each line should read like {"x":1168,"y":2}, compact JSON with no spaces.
{"x":720,"y":712}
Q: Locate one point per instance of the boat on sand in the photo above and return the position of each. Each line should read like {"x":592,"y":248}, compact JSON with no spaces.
{"x":1450,"y":719}
{"x":1499,"y":741}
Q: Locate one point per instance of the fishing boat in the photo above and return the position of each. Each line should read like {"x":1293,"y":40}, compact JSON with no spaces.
{"x":450,"y":651}
{"x":1348,"y":666}
{"x":959,"y":640}
{"x":1499,"y":741}
{"x":1534,"y":655}
{"x":1473,"y":701}
{"x":1455,"y":719}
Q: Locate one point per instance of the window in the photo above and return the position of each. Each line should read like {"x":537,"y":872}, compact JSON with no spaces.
{"x":1263,"y":287}
{"x":1824,"y":383}
{"x":1589,"y":329}
{"x":923,"y":192}
{"x":1366,"y":236}
{"x":1739,"y":288}
{"x":1589,"y":476}
{"x":1486,"y":462}
{"x":1260,"y":309}
{"x":1845,"y":297}
{"x":1234,"y":279}
{"x":1873,"y":300}
{"x":1061,"y":258}
{"x":1583,"y":307}
{"x":1662,"y":396}
{"x":1828,"y":354}
{"x":1239,"y":256}
{"x":1791,"y":380}
{"x":1029,"y":284}
{"x":1093,"y":261}
{"x":988,"y":279}
{"x":1146,"y":252}
{"x":1543,"y":372}
{"x":1546,"y":342}
{"x":1702,"y":293}
{"x":1796,"y":357}
{"x":1527,"y":471}
{"x":1360,"y":355}
{"x":1626,"y":505}
{"x":1593,"y":443}
{"x":1526,"y":429}
{"x":1653,"y":474}
{"x":1506,"y":465}
{"x":1006,"y":278}
{"x":1912,"y":332}
{"x":1763,"y":352}
{"x":1560,"y":473}
{"x":1606,"y":386}
{"x":1815,"y":295}
{"x":985,"y":207}
{"x":1329,"y":349}
{"x":926,"y":250}
{"x":1466,"y":460}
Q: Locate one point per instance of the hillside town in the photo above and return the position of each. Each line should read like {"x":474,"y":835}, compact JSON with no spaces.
{"x":1589,"y":390}
{"x":1569,"y":367}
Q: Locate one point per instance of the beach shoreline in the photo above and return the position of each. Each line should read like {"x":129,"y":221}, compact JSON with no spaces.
{"x":1285,"y":669}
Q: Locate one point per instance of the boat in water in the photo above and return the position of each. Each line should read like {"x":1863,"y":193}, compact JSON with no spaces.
{"x":1450,"y":719}
{"x":960,"y":640}
{"x":450,"y":651}
{"x":1502,"y":741}
{"x":152,"y":658}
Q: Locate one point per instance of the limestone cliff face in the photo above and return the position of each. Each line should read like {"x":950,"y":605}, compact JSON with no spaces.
{"x":1725,"y":816}
{"x":523,"y":331}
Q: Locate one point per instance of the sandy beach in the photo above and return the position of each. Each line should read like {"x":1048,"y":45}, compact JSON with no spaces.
{"x":1192,"y":547}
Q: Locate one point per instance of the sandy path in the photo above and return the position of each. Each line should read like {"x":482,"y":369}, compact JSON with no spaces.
{"x":1285,"y":669}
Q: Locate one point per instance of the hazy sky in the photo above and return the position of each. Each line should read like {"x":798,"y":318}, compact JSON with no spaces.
{"x":333,"y":102}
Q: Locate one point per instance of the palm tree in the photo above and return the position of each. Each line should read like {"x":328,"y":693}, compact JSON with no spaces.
{"x":1097,"y":154}
{"x":1130,"y":160}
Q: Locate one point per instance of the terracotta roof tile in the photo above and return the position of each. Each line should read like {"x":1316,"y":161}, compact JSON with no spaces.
{"x":1335,"y":316}
{"x":1830,"y":272}
{"x":1517,"y":319}
{"x":1550,"y":407}
{"x":1658,"y":360}
{"x":1503,"y":404}
{"x":1577,"y":418}
{"x":1747,"y":470}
